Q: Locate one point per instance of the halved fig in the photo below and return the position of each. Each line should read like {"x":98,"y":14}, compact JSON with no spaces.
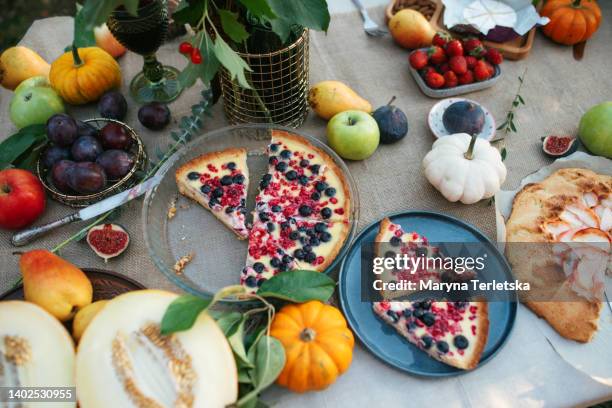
{"x":124,"y":361}
{"x":559,"y":146}
{"x":108,"y":240}
{"x":35,"y":349}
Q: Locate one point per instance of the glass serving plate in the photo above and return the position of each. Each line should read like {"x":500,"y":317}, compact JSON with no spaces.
{"x":218,"y":255}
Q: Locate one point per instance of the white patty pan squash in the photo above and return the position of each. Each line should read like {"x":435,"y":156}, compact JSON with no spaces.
{"x":35,"y":351}
{"x":464,"y":168}
{"x":124,"y":361}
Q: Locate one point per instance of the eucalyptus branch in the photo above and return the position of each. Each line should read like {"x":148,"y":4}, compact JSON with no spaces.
{"x":509,"y":125}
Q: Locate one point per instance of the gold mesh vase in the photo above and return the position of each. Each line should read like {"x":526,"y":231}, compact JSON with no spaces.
{"x":280,"y":87}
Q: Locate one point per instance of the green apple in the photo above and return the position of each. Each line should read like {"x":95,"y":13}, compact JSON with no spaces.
{"x":353,"y":134}
{"x":34,"y":106}
{"x":38,"y":80}
{"x":595,"y":129}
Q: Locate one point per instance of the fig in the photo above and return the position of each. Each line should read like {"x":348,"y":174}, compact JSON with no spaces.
{"x":60,"y":173}
{"x":113,"y":105}
{"x":154,"y":115}
{"x":53,"y":154}
{"x":559,"y":146}
{"x":86,"y":178}
{"x":108,"y":240}
{"x":62,"y":130}
{"x":86,"y":149}
{"x":116,"y":163}
{"x":115,"y":136}
{"x":464,"y":117}
{"x":392,"y":123}
{"x":85,"y":129}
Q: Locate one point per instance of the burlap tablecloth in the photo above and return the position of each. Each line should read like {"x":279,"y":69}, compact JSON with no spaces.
{"x":557,"y":91}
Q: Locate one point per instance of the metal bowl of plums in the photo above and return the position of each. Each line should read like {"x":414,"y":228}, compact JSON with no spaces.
{"x":87,"y":161}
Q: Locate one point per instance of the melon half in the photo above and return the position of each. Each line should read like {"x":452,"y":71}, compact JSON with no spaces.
{"x":124,"y":361}
{"x":35,"y":350}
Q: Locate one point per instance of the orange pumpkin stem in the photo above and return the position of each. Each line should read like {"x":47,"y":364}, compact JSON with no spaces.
{"x":75,"y":55}
{"x":307,"y":335}
{"x":576,"y":3}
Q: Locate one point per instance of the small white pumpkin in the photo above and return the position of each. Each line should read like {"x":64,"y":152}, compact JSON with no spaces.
{"x":464,"y":168}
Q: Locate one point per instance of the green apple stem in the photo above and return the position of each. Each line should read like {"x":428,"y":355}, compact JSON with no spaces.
{"x":470,"y":151}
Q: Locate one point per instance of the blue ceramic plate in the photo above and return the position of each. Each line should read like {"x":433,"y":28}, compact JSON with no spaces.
{"x":381,"y":339}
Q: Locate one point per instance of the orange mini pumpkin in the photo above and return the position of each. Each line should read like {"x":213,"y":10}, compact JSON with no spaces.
{"x":571,"y":21}
{"x":83,"y":75}
{"x":318,"y":345}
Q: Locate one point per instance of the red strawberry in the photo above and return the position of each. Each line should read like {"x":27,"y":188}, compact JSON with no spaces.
{"x":454,"y":48}
{"x":440,"y":39}
{"x":466,"y":78}
{"x":426,"y":71}
{"x":434,"y":80}
{"x":490,"y":68}
{"x":494,"y":56}
{"x":444,"y":68}
{"x":450,"y":79}
{"x":471,"y":61}
{"x":436,"y":55}
{"x":470,"y":44}
{"x":458,"y":64}
{"x":481,"y":71}
{"x":418,"y":59}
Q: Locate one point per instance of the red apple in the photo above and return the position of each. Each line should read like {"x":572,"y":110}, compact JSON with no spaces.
{"x":22,"y":198}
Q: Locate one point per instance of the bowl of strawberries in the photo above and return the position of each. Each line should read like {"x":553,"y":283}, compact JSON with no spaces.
{"x":453,"y":66}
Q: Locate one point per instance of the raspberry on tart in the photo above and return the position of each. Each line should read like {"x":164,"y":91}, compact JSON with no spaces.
{"x":303,"y":181}
{"x":454,"y":333}
{"x":219,"y":181}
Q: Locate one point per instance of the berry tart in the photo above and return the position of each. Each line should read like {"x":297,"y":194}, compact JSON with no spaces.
{"x":219,"y":181}
{"x":454,"y":333}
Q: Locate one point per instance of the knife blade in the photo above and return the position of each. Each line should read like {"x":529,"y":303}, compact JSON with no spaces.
{"x":118,"y":199}
{"x":25,"y":236}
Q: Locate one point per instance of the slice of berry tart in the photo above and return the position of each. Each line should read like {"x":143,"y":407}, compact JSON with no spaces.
{"x":392,"y":241}
{"x":454,"y":333}
{"x":302,"y":181}
{"x":219,"y":182}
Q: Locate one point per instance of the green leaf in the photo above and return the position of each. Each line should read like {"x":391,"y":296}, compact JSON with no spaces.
{"x":236,"y":341}
{"x":504,"y":153}
{"x":282,"y":28}
{"x":210,"y":63}
{"x":232,"y":27}
{"x":306,"y":13}
{"x":259,"y":8}
{"x":298,"y":286}
{"x":503,"y":125}
{"x":515,"y":103}
{"x":83,"y":36}
{"x":21,"y":142}
{"x":188,"y":76}
{"x":96,"y":12}
{"x":521,"y":100}
{"x":232,"y":62}
{"x":184,"y":310}
{"x":228,"y":322}
{"x":513,"y":127}
{"x":268,"y":356}
{"x":29,"y":159}
{"x":189,"y":12}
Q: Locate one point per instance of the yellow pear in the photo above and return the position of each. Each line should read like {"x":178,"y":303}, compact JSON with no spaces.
{"x":54,"y":284}
{"x":20,"y":63}
{"x":410,"y":29}
{"x":328,"y":98}
{"x":84,"y":316}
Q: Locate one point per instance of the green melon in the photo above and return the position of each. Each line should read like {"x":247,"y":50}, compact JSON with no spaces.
{"x":595,"y":129}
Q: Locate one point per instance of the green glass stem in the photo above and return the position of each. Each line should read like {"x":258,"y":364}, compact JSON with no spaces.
{"x":153,"y":69}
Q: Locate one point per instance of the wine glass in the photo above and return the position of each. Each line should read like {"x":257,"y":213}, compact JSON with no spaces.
{"x":143,"y":34}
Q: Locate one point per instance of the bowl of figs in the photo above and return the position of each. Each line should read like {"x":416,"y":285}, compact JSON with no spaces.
{"x":87,"y":161}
